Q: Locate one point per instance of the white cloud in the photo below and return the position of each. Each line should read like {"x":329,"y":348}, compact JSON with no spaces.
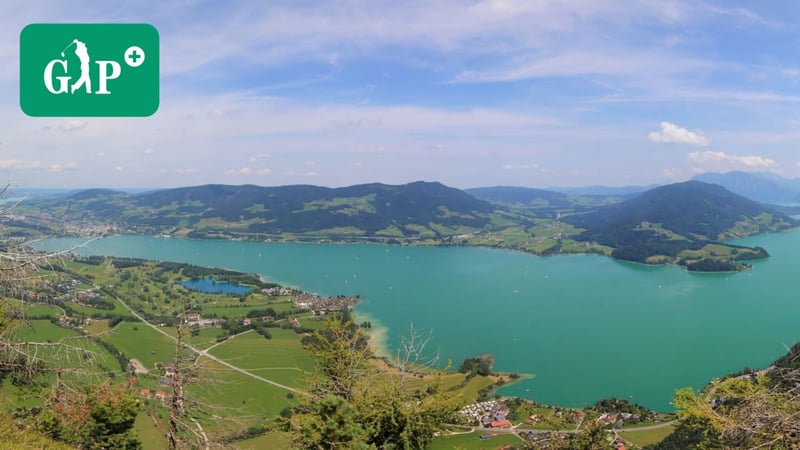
{"x":264,"y":171}
{"x":310,"y":163}
{"x":242,"y":171}
{"x":72,"y":125}
{"x":673,"y":134}
{"x":724,"y":161}
{"x":148,"y":151}
{"x":119,"y":168}
{"x":18,"y":164}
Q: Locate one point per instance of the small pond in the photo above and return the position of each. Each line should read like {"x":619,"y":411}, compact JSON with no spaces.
{"x":212,"y":286}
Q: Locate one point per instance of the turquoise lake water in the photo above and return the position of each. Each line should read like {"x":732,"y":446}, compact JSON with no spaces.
{"x":584,"y":326}
{"x":212,"y":286}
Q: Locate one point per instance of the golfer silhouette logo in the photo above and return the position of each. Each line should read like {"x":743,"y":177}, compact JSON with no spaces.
{"x":106,"y":70}
{"x":83,"y":56}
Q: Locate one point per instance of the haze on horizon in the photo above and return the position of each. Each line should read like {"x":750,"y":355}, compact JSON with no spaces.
{"x":468,"y":93}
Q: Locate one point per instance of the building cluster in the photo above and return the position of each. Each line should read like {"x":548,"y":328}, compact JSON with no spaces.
{"x":616,"y":418}
{"x":488,"y":414}
{"x":89,"y":229}
{"x":159,"y":395}
{"x":67,"y":321}
{"x":196,"y":319}
{"x":278,"y":291}
{"x":316,"y":303}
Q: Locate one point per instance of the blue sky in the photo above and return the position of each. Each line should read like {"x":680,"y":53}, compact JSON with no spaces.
{"x":470,"y":93}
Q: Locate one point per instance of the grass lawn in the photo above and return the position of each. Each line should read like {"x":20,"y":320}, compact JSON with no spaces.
{"x":241,"y":309}
{"x":41,"y":310}
{"x":473,"y":386}
{"x":647,"y":437}
{"x":238,"y":396}
{"x":472,"y":441}
{"x":270,"y":441}
{"x":282,"y":358}
{"x":206,"y":338}
{"x":312,"y":323}
{"x":139,"y":341}
{"x":41,"y":331}
{"x":118,"y":310}
{"x":150,"y":435}
{"x":97,"y":326}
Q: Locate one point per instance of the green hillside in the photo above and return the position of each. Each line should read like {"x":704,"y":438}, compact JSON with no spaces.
{"x":414,"y":210}
{"x":683,"y":223}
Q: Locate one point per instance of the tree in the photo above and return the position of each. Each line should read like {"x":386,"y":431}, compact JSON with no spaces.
{"x":95,"y":417}
{"x":352,"y":405}
{"x":748,"y":411}
{"x":185,"y":372}
{"x":79,"y":406}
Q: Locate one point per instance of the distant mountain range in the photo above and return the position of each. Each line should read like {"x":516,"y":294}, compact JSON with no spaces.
{"x":530,"y":197}
{"x":673,"y":223}
{"x":761,"y":187}
{"x":603,"y":191}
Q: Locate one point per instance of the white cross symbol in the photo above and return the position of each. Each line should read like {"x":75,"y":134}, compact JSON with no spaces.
{"x":134,"y":56}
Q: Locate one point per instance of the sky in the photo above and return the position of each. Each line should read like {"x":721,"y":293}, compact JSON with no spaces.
{"x":470,"y":93}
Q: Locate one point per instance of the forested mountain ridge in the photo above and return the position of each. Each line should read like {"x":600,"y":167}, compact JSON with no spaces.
{"x":683,"y":223}
{"x":670,"y":222}
{"x":419,"y":208}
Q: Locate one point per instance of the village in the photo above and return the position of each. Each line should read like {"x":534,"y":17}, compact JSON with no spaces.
{"x":495,"y":416}
{"x":324,"y":304}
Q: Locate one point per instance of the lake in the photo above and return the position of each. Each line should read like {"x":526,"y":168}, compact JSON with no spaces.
{"x":212,"y":286}
{"x":584,"y":326}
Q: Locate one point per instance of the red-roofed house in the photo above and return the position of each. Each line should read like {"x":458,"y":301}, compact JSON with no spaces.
{"x":161,"y":395}
{"x":500,"y":424}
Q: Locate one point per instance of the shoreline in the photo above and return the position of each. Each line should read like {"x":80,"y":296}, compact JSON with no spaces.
{"x":410,"y":242}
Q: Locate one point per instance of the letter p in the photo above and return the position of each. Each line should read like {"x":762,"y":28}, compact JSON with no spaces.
{"x":116,"y":70}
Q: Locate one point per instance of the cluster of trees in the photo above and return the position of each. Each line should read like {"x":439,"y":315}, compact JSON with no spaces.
{"x":478,"y":365}
{"x":644,"y":244}
{"x":350,"y":404}
{"x":94,"y":417}
{"x":621,"y":405}
{"x":192,"y":271}
{"x":714,"y":265}
{"x":127,"y":263}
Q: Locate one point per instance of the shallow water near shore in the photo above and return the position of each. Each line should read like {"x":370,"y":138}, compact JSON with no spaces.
{"x":585,"y":326}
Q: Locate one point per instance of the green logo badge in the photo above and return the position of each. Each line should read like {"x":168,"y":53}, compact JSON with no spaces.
{"x":88,"y":70}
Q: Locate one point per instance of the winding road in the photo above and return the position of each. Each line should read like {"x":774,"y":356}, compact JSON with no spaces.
{"x":198,"y":351}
